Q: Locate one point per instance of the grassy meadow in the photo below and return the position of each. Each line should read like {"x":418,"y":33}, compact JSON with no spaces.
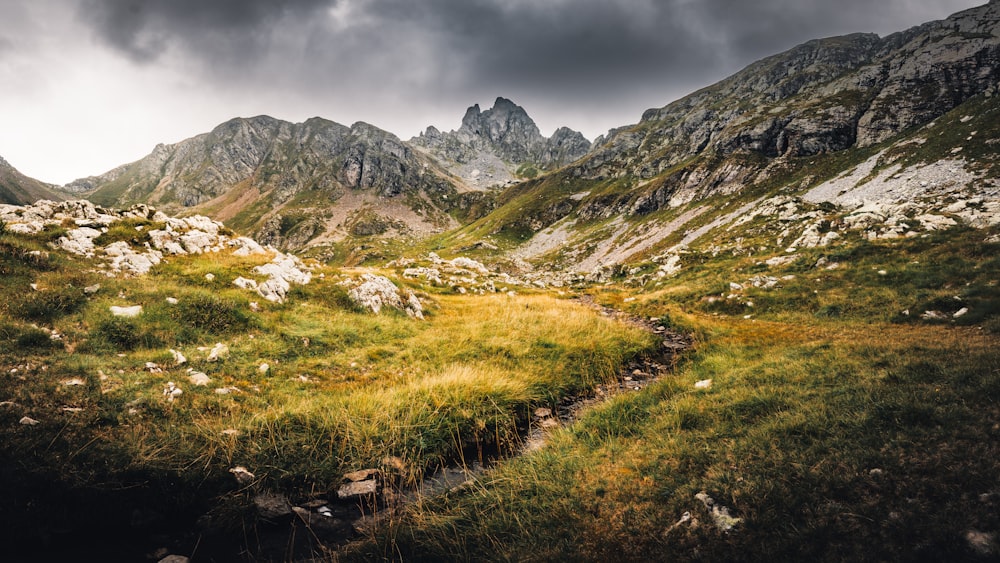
{"x":838,"y":423}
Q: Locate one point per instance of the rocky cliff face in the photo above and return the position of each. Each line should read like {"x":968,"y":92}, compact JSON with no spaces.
{"x":823,"y":96}
{"x":496,"y":146}
{"x":270,"y":177}
{"x":18,"y":189}
{"x":787,"y":125}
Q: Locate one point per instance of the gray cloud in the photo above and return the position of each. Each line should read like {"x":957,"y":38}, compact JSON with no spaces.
{"x":144,"y":29}
{"x":588,"y":54}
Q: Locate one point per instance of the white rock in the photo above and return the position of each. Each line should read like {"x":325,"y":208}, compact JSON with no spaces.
{"x":198,"y":378}
{"x":961,"y":313}
{"x":243,"y":476}
{"x":720,"y":514}
{"x":210,"y":276}
{"x":264,"y":368}
{"x":469,"y":264}
{"x":245,"y":283}
{"x":128,"y":312}
{"x":376,"y":292}
{"x":703,"y":384}
{"x":179,"y":358}
{"x":219,"y":352}
{"x":172,"y":300}
{"x":27,"y":421}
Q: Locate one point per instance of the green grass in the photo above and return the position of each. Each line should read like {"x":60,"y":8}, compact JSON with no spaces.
{"x":345,"y":389}
{"x":830,"y":444}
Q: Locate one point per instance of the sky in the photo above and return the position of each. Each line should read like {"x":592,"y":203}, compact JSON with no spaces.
{"x":87,"y":85}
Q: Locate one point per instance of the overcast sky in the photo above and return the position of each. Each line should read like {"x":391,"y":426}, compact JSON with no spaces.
{"x":86,"y":85}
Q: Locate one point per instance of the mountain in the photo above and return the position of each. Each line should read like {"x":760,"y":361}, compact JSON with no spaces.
{"x":497,"y":146}
{"x":289,"y":183}
{"x":908,"y":118}
{"x":18,"y":189}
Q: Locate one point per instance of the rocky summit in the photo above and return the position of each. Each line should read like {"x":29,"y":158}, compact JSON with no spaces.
{"x":498,"y":146}
{"x":288,"y":183}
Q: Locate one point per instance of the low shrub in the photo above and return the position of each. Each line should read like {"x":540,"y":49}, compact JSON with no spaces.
{"x":213,"y":314}
{"x":49,"y":304}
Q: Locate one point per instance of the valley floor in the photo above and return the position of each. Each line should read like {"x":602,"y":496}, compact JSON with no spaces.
{"x":814,"y":418}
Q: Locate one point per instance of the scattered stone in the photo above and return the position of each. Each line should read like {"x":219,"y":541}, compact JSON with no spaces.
{"x":264,"y":368}
{"x":933,"y":316}
{"x":210,"y":276}
{"x":218,"y":352}
{"x":470,"y":264}
{"x":271,"y":506}
{"x":179,"y":358}
{"x":27,"y":421}
{"x":127,"y":312}
{"x":227,"y":390}
{"x":198,"y":378}
{"x":376,"y":292}
{"x":703,"y":384}
{"x":230,"y":432}
{"x":172,"y":301}
{"x":153,"y":368}
{"x":781,"y":260}
{"x":92,"y":289}
{"x":242,"y":475}
{"x":960,"y":313}
{"x":254,"y":306}
{"x":720,"y":514}
{"x":245,"y":283}
{"x":74,"y":382}
{"x":357,"y":489}
{"x":543,"y":412}
{"x":172,"y":391}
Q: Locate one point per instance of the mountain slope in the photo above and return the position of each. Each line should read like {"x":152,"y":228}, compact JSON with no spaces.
{"x":497,"y":146}
{"x":18,"y":189}
{"x":782,"y":126}
{"x":288,"y":183}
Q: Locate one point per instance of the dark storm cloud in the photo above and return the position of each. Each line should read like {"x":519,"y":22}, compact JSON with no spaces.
{"x":582,"y":52}
{"x":142,"y":29}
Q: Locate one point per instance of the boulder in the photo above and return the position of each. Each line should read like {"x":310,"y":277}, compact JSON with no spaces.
{"x":127,"y":312}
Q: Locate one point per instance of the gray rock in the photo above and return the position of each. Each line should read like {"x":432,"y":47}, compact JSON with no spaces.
{"x":271,"y":506}
{"x":128,"y":312}
{"x":357,"y":489}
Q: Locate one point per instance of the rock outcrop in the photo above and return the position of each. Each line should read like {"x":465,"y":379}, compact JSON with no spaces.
{"x":500,"y":145}
{"x":164,"y":236}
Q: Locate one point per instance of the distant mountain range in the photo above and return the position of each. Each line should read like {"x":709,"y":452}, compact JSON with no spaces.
{"x":783,"y":127}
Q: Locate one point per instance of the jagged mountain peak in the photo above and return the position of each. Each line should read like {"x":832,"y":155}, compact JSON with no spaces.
{"x":494,"y":147}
